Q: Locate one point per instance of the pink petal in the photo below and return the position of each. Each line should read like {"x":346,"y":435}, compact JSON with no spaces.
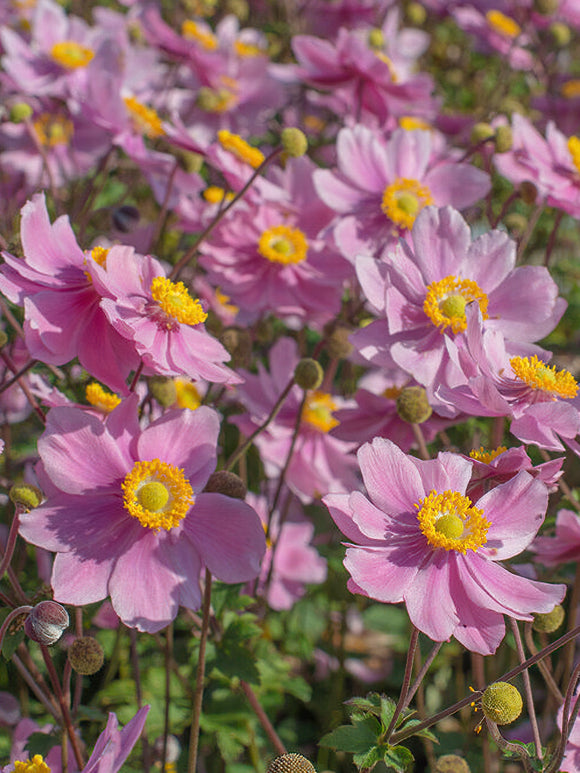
{"x":391,"y":479}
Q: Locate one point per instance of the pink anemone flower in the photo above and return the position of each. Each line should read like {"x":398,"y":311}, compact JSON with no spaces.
{"x":564,"y":546}
{"x":418,"y":538}
{"x":126,"y":513}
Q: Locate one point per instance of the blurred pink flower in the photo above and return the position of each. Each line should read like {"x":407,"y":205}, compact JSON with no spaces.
{"x":417,"y":538}
{"x":126,"y":513}
{"x":564,"y":546}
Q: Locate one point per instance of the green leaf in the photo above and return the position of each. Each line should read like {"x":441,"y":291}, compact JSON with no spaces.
{"x":388,"y":707}
{"x":425,"y":733}
{"x":233,"y":657}
{"x":399,"y":758}
{"x":369,"y":759}
{"x":358,"y":738}
{"x":42,"y":743}
{"x":13,"y":636}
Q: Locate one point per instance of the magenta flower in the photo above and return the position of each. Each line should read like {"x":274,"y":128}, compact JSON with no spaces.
{"x":564,"y":546}
{"x":428,"y":281}
{"x":162,"y":321}
{"x":571,"y":760}
{"x":381,"y":186}
{"x":126,"y":513}
{"x":417,"y":538}
{"x":62,"y":315}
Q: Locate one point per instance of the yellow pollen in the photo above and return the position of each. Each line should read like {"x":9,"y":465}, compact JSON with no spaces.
{"x":176,"y":302}
{"x":247,"y":49}
{"x":145,"y":119}
{"x":157,"y":494}
{"x":192,"y":31}
{"x":392,"y":392}
{"x":215,"y":195}
{"x":318,"y":410}
{"x":409,"y":123}
{"x":446,"y":300}
{"x":313,"y":123}
{"x":240,"y":148}
{"x":384,"y":58}
{"x":100,"y":399}
{"x":450,"y":521}
{"x":536,"y":374}
{"x":282,"y":244}
{"x":34,"y":765}
{"x":224,"y":302}
{"x":481,"y":455}
{"x":574,"y":148}
{"x":217,"y":100}
{"x":99,"y":255}
{"x":503,"y":24}
{"x":71,"y":55}
{"x":404,"y":199}
{"x":570,"y":89}
{"x":53,"y":130}
{"x":187,"y":394}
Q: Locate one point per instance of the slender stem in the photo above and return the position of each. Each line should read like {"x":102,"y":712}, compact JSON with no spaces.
{"x":552,"y":237}
{"x":405,"y":686}
{"x":139,"y":694}
{"x":221,"y":214}
{"x":421,"y":675}
{"x":420,"y":440}
{"x":568,"y":655}
{"x":136,"y":376}
{"x":241,"y":449}
{"x":264,"y":721}
{"x":568,"y":720}
{"x":22,"y":372}
{"x":66,"y":718}
{"x":163,"y":214}
{"x":200,"y":677}
{"x":34,"y":686}
{"x":507,"y":746}
{"x":529,"y":230}
{"x":166,"y":720}
{"x":10,"y":542}
{"x":24,"y":610}
{"x":24,"y":386}
{"x":544,"y":670}
{"x":527,"y":689}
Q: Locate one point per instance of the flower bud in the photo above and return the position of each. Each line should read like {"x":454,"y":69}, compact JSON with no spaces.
{"x":516,"y":222}
{"x":376,"y":38}
{"x":163,"y":390}
{"x":46,"y":622}
{"x":20,"y":112}
{"x":3,"y":339}
{"x":308,"y":374}
{"x":25,"y":496}
{"x":291,"y":763}
{"x":560,"y":33}
{"x":550,"y":621}
{"x":528,"y":192}
{"x":173,"y":749}
{"x":225,"y":482}
{"x":546,"y":7}
{"x":502,"y":703}
{"x":451,"y":763}
{"x":482,"y":131}
{"x":413,"y":406}
{"x":86,"y":655}
{"x":239,"y":8}
{"x":338,"y":346}
{"x":294,"y":141}
{"x":416,"y":14}
{"x":125,"y":218}
{"x":238,"y":342}
{"x":503,"y":139}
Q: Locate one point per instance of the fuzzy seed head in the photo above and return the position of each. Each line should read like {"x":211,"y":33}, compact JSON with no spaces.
{"x":294,"y":141}
{"x":225,"y":482}
{"x":550,"y":621}
{"x":502,"y":703}
{"x":86,"y":655}
{"x":308,"y":374}
{"x":413,"y":406}
{"x":451,"y":763}
{"x":25,"y":496}
{"x":291,"y":763}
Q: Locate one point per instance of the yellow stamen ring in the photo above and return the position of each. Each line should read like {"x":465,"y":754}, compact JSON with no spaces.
{"x":174,"y":299}
{"x":157,"y":494}
{"x":318,"y":410}
{"x":447,"y":299}
{"x":100,"y":399}
{"x":404,"y":199}
{"x":503,"y":24}
{"x":240,"y":148}
{"x":191,"y":31}
{"x":538,"y":375}
{"x":574,"y":148}
{"x":282,"y":244}
{"x":145,"y":119}
{"x":481,"y":455}
{"x":450,"y":521}
{"x":34,"y":765}
{"x":71,"y":54}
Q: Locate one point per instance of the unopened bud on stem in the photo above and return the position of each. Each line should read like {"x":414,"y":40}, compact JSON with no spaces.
{"x":46,"y":623}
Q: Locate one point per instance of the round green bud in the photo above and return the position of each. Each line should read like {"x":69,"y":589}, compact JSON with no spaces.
{"x":239,"y":8}
{"x":163,"y":390}
{"x":238,"y":342}
{"x":515,"y":222}
{"x":291,"y":763}
{"x":503,"y":139}
{"x":546,"y":7}
{"x":502,"y":703}
{"x":451,"y":763}
{"x":294,"y":141}
{"x":560,"y":33}
{"x":308,"y":374}
{"x":207,"y":99}
{"x":481,"y":132}
{"x":528,"y":192}
{"x":25,"y":496}
{"x":189,"y":161}
{"x":337,"y":344}
{"x":413,"y":406}
{"x":550,"y":621}
{"x":225,"y":482}
{"x":20,"y":112}
{"x":416,"y":14}
{"x":86,"y":655}
{"x":376,"y":38}
{"x":3,"y":339}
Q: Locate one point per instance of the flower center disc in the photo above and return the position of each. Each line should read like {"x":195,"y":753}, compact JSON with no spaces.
{"x":240,"y":148}
{"x":282,"y":244}
{"x":174,"y":299}
{"x":503,"y":24}
{"x":446,"y":300}
{"x":536,"y":374}
{"x":145,"y":119}
{"x":157,"y":494}
{"x":318,"y":410}
{"x":481,"y":455}
{"x":404,"y":199}
{"x":574,"y":148}
{"x":53,"y":130}
{"x":34,"y":765}
{"x":100,"y":399}
{"x":450,"y":521}
{"x":71,"y":55}
{"x":191,"y":31}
